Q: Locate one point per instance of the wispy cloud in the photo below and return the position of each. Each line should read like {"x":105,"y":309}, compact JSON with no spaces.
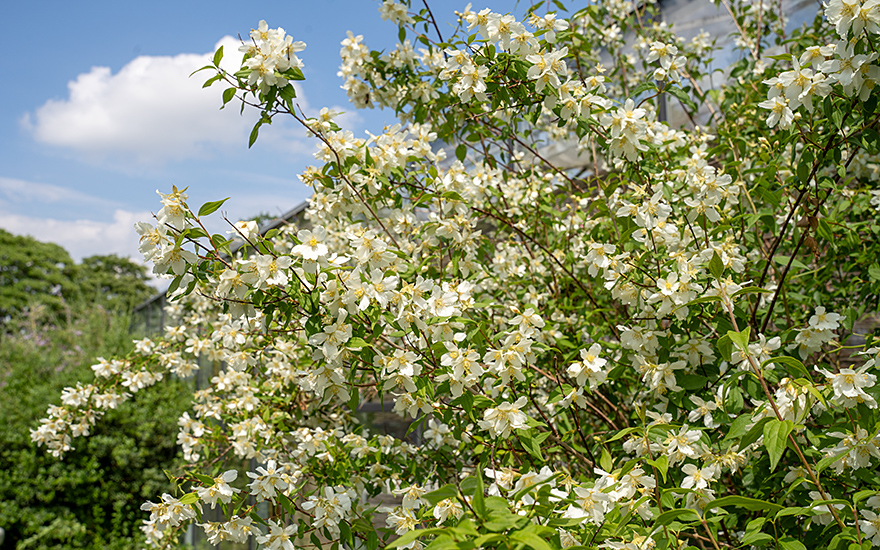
{"x":19,"y":192}
{"x":81,"y":238}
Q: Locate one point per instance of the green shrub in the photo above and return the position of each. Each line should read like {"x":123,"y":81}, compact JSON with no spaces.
{"x":92,"y":498}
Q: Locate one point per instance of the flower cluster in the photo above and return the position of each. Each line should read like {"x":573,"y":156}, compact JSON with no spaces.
{"x":647,"y":335}
{"x":270,"y":55}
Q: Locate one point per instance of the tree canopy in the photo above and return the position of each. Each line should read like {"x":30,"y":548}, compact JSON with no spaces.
{"x":36,"y":273}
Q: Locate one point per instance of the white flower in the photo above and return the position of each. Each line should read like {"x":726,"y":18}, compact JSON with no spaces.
{"x":448,"y":507}
{"x":266,"y":482}
{"x":590,"y":503}
{"x":849,"y":384}
{"x":590,"y":368}
{"x":395,"y":12}
{"x":401,"y":520}
{"x":697,"y":478}
{"x":703,"y":409}
{"x":312,"y":246}
{"x":870,"y":526}
{"x":168,"y":513}
{"x":506,"y":417}
{"x":238,"y":529}
{"x":220,"y":490}
{"x":780,"y":113}
{"x":329,"y":507}
{"x":246,"y":229}
{"x":824,"y":321}
{"x":278,"y":537}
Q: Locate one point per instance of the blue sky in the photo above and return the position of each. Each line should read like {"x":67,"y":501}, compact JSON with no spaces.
{"x":97,"y":112}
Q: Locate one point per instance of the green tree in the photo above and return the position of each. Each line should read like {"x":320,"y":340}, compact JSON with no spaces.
{"x":34,"y":272}
{"x":114,"y":282}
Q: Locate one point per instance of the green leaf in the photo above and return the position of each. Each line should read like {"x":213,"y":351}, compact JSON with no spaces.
{"x":288,"y":93}
{"x":789,"y":543}
{"x":478,"y":501}
{"x":750,"y":289}
{"x":621,"y":434}
{"x":211,"y":81}
{"x":294,"y":73}
{"x":530,"y":539}
{"x":285,"y":502}
{"x":443,"y":543}
{"x":754,"y":433}
{"x":228,"y":94}
{"x":532,"y":444}
{"x":788,"y":361}
{"x":605,"y":461}
{"x":357,"y":343}
{"x":725,"y":347}
{"x":682,"y":96}
{"x":175,"y":284}
{"x":776,"y":438}
{"x":662,"y":465}
{"x":461,"y":152}
{"x":669,"y":516}
{"x":499,"y":522}
{"x":484,"y":540}
{"x":803,"y":172}
{"x":783,"y":260}
{"x":704,"y":300}
{"x":189,"y":498}
{"x":354,"y":399}
{"x":256,"y":517}
{"x":716,"y":266}
{"x":410,"y":536}
{"x":196,"y":233}
{"x":691,"y":381}
{"x":643,"y":88}
{"x":211,"y":207}
{"x":345,"y":533}
{"x":218,"y":56}
{"x":756,"y":537}
{"x":752,"y":504}
{"x":255,"y":133}
{"x":738,"y":427}
{"x":740,"y":339}
{"x":465,"y":528}
{"x":814,"y":391}
{"x":793,"y":511}
{"x":207,"y":481}
{"x":829,"y":460}
{"x":861,"y":495}
{"x":206,"y":67}
{"x":447,"y":491}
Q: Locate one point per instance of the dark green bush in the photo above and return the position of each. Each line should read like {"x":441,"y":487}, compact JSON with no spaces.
{"x":91,"y":498}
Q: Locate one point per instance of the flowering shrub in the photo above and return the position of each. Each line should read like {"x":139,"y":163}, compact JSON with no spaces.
{"x":662,"y":348}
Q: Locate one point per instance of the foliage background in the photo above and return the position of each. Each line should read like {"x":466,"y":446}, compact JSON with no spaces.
{"x":92,"y":498}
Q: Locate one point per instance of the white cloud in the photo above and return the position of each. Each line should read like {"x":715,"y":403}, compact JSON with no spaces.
{"x":82,"y":238}
{"x":151,"y":110}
